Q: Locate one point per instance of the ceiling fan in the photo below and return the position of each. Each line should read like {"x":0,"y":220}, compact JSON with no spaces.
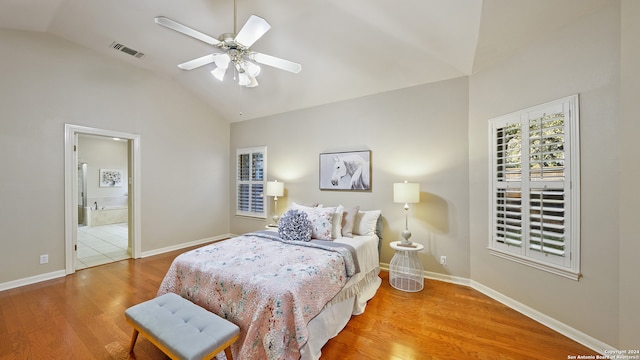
{"x":235,"y":50}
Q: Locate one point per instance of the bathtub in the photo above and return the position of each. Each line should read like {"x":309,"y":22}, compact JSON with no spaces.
{"x":106,"y":215}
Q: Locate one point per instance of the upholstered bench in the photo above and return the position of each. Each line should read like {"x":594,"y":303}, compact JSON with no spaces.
{"x":181,"y":329}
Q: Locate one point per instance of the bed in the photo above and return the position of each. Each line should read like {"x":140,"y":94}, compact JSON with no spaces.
{"x":288,"y":297}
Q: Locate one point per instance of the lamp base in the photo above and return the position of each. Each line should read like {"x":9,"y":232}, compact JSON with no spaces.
{"x":406,"y":234}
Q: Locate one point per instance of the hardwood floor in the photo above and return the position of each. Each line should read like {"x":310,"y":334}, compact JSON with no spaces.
{"x":445,"y":321}
{"x":81,"y":316}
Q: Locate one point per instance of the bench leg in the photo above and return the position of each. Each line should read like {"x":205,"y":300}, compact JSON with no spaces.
{"x":133,"y":339}
{"x":227,"y":352}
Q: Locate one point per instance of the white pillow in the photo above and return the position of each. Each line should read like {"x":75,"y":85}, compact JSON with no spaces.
{"x":348,"y":220}
{"x":297,"y":206}
{"x":321,"y":220}
{"x":336,"y":221}
{"x":365,"y":223}
{"x":312,"y":204}
{"x":336,"y":230}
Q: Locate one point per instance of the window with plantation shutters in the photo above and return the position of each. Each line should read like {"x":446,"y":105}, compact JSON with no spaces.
{"x":250,"y":181}
{"x":535,"y":187}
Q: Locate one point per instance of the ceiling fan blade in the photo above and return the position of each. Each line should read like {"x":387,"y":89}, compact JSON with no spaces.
{"x":252,"y":30}
{"x":173,"y":25}
{"x":276,"y":62}
{"x":195,"y":63}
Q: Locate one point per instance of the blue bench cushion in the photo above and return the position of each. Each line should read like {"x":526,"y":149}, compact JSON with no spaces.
{"x":190,"y":331}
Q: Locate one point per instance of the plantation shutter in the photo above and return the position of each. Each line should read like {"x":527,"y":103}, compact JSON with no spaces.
{"x":508,"y":186}
{"x":244,"y":167}
{"x":251,"y":164}
{"x":547,"y":229}
{"x":547,"y":193}
{"x":534,"y":172}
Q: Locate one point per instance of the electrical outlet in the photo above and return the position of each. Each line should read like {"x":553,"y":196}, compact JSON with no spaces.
{"x":443,"y":260}
{"x":44,"y":259}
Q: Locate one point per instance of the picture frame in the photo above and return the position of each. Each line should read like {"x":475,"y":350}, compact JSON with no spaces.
{"x":110,"y":178}
{"x":346,"y":171}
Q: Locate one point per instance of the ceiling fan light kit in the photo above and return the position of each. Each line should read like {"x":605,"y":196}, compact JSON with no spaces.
{"x":235,"y":49}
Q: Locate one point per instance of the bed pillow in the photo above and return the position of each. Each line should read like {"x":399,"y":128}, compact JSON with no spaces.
{"x":365,"y":222}
{"x":321,"y":220}
{"x":311,"y":205}
{"x":336,"y":222}
{"x":295,"y":225}
{"x":348,"y":220}
{"x":301,"y":207}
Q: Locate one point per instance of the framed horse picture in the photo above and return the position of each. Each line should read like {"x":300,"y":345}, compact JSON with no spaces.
{"x":348,"y":171}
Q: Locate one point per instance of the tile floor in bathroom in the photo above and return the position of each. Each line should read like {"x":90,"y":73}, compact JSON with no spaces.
{"x":103,"y":244}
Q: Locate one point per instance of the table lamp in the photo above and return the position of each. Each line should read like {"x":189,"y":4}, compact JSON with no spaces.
{"x":407,"y":193}
{"x":275,"y":189}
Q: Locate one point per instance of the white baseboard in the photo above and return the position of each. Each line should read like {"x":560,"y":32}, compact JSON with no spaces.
{"x":61,"y":273}
{"x":562,"y":328}
{"x":437,"y":276}
{"x":447,"y":278}
{"x":184,"y":245}
{"x":32,"y":280}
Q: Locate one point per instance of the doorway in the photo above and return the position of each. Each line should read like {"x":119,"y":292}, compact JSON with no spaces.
{"x":102,"y":197}
{"x":103,"y":224}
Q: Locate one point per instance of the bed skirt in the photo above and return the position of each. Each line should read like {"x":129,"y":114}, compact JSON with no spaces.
{"x":351,"y":300}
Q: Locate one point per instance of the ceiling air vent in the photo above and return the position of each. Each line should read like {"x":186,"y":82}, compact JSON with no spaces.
{"x":126,"y":50}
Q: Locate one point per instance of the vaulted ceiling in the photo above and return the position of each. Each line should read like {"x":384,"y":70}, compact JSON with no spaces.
{"x":347,"y":48}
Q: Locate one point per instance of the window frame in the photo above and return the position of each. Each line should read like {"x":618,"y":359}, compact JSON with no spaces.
{"x":253,"y":209}
{"x":523,"y":184}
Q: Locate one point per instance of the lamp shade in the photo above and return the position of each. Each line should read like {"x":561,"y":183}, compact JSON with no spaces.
{"x":218,"y":73}
{"x":406,"y":193}
{"x":275,"y":188}
{"x":222,"y":63}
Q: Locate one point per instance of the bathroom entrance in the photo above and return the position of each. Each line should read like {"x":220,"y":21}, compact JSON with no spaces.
{"x":103,"y":190}
{"x":101,"y":197}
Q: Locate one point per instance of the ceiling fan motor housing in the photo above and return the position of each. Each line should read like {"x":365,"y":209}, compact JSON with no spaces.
{"x":227,"y":41}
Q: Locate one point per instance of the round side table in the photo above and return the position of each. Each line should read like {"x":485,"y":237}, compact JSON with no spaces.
{"x":405,"y":270}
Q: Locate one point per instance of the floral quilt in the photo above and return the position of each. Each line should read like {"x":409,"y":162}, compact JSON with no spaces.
{"x":269,"y":287}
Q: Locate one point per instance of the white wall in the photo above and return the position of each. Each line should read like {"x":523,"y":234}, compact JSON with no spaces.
{"x":417,"y":134}
{"x":583,"y":58}
{"x":629,"y":191}
{"x":48,"y":82}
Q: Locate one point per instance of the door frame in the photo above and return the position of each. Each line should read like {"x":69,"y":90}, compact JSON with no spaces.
{"x":71,"y":133}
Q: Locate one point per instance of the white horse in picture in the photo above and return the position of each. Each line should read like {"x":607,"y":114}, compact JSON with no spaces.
{"x":354,"y":166}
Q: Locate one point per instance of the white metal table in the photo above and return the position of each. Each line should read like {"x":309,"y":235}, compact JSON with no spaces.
{"x":405,"y":270}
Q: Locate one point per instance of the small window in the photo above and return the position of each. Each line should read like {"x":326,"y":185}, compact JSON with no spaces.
{"x":535,"y":191}
{"x":251,"y":166}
